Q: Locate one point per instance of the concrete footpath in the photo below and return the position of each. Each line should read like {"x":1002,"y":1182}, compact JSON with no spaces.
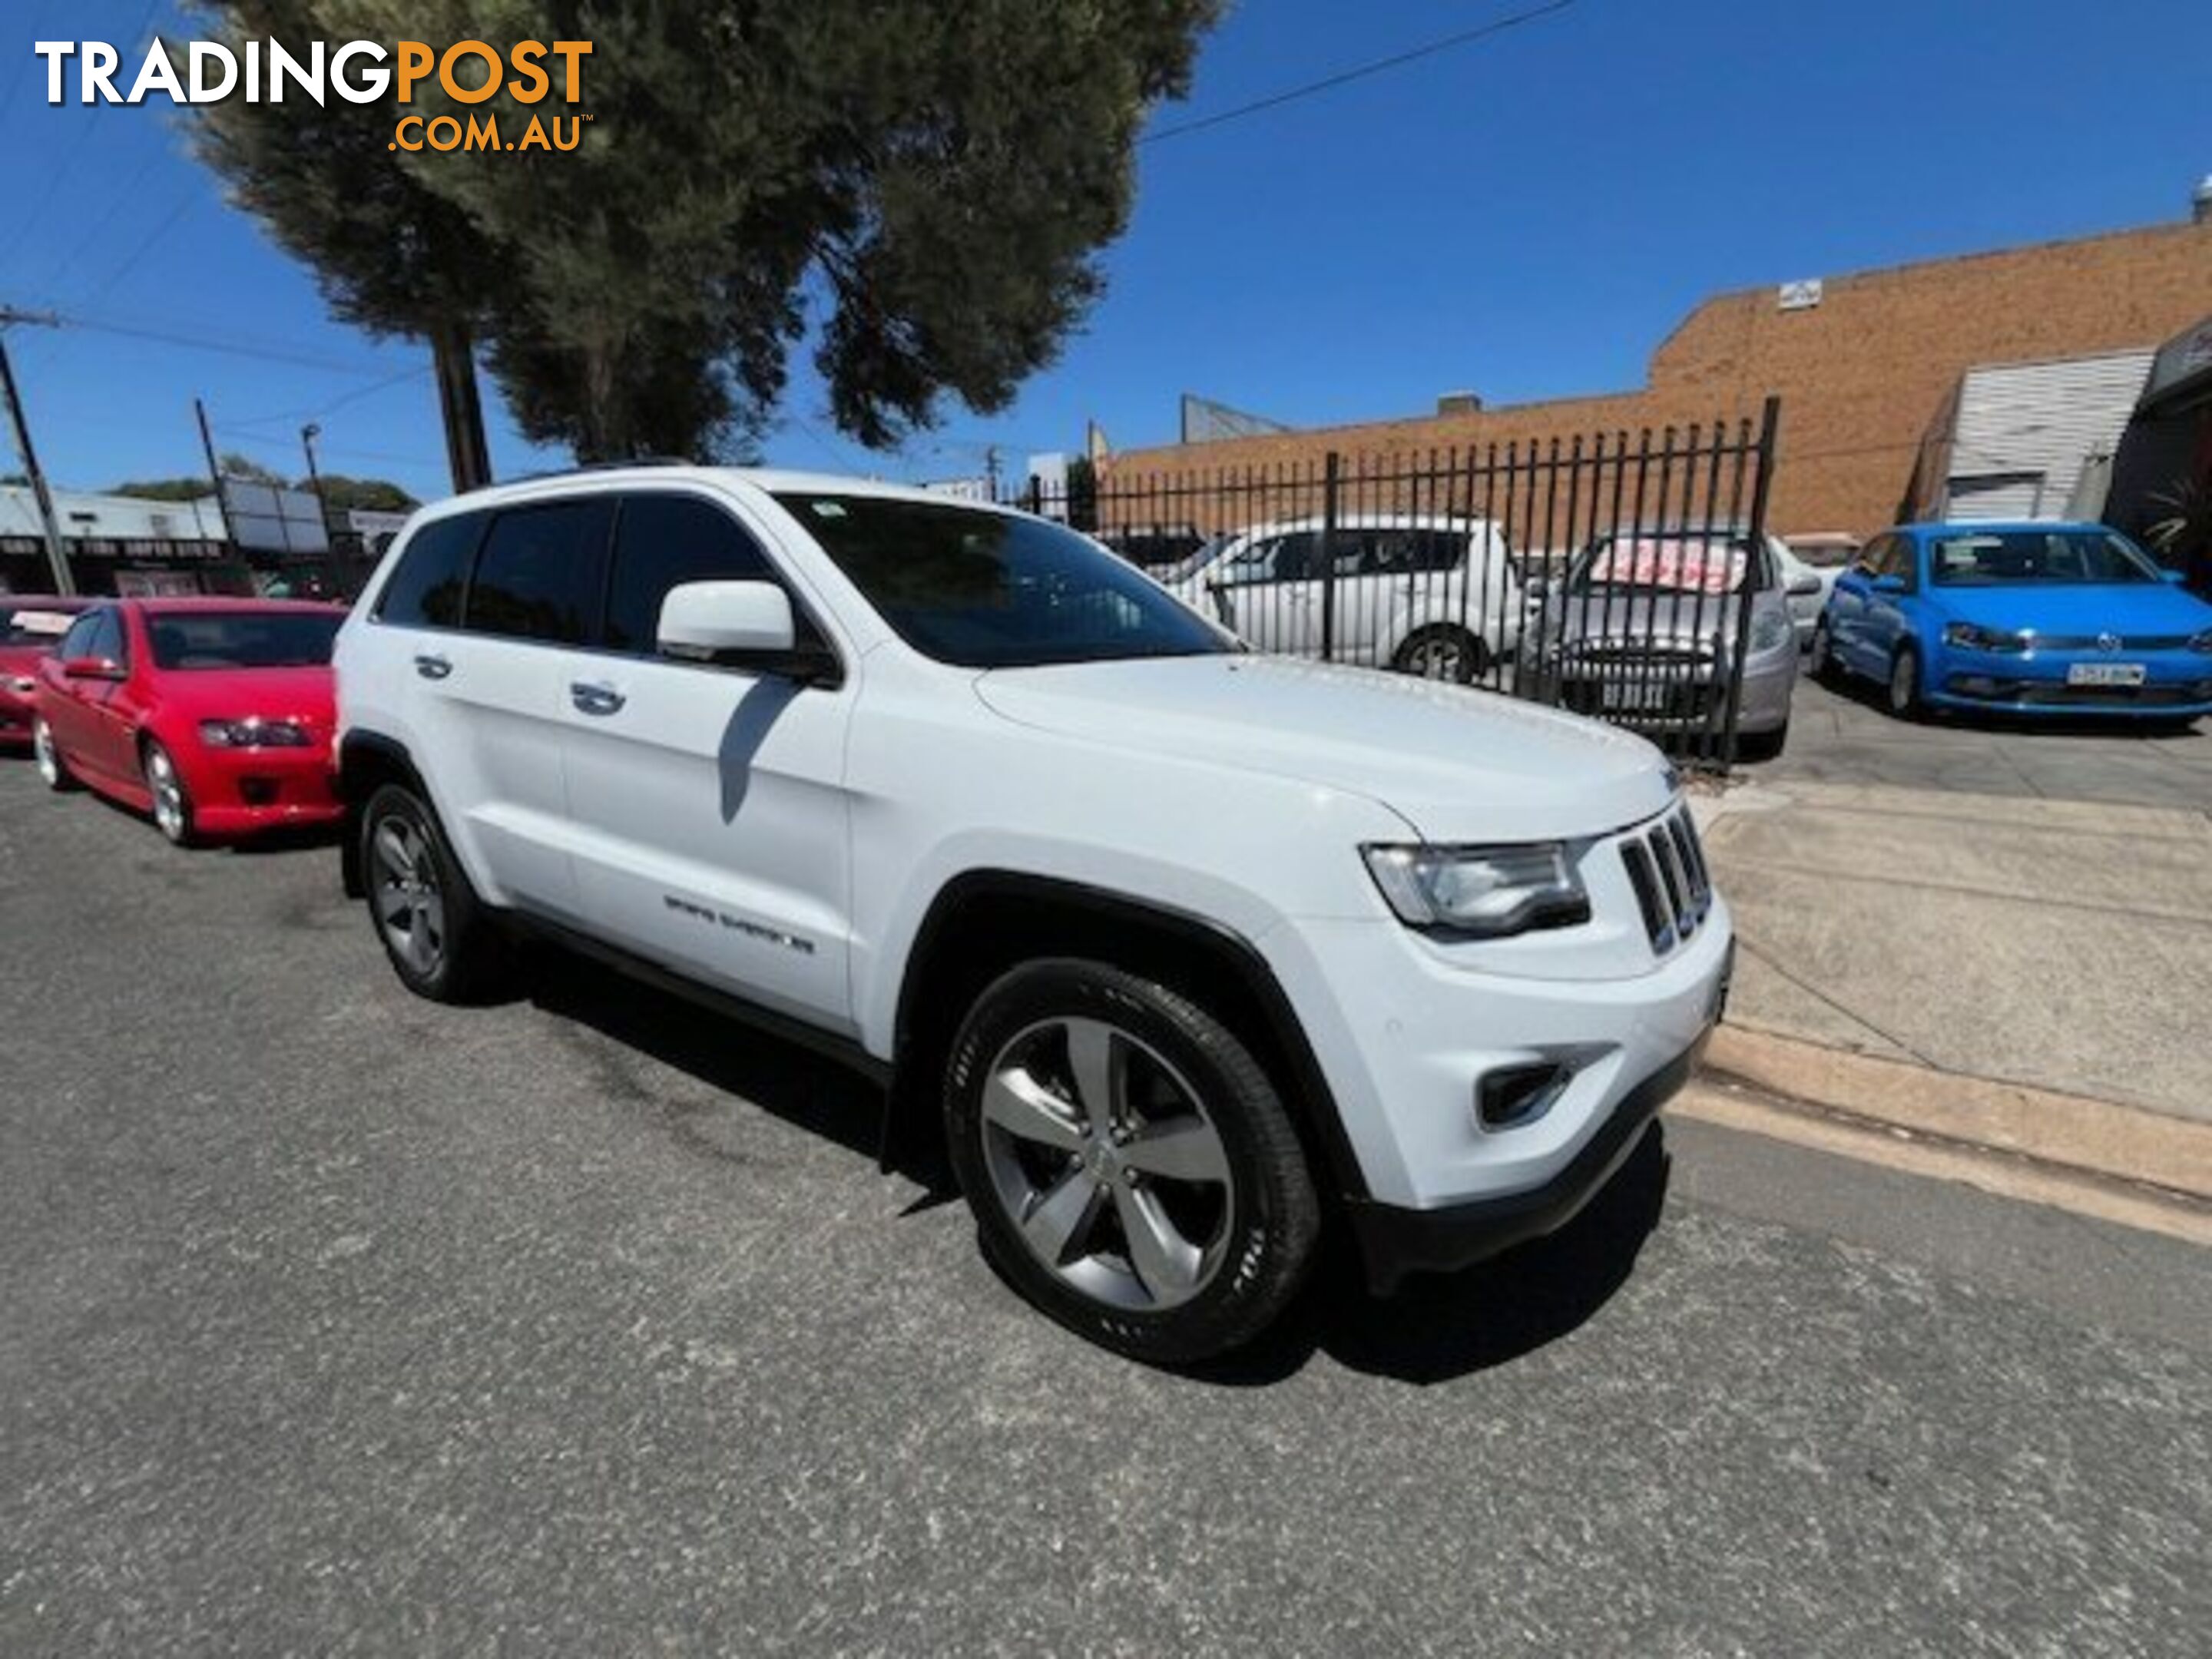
{"x":2031,"y":975}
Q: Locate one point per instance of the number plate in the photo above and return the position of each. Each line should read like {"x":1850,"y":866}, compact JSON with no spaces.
{"x":2105,"y":673}
{"x":1634,"y":694}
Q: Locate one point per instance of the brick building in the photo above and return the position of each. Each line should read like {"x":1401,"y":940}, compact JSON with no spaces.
{"x":1864,"y":364}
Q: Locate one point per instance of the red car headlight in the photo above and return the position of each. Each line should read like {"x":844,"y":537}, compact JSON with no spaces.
{"x":254,"y":733}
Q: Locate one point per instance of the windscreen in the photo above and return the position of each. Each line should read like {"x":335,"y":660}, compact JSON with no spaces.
{"x":31,"y":625}
{"x":2038,"y":558}
{"x":1691,"y":562}
{"x":997,"y":589}
{"x":244,"y":638}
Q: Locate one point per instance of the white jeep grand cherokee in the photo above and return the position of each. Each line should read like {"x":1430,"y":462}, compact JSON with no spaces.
{"x":1181,"y":949}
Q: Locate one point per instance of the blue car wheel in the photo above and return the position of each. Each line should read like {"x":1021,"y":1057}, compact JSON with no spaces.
{"x":1905,"y":684}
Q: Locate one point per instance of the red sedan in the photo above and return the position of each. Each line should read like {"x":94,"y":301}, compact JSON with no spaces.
{"x":31,"y":625}
{"x":215,"y":715}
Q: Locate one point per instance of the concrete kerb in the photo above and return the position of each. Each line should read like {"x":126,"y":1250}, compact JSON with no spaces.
{"x":2094,"y":1137}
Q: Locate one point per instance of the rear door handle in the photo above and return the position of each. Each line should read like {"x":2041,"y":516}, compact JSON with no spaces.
{"x":433,"y":667}
{"x":598,"y":697}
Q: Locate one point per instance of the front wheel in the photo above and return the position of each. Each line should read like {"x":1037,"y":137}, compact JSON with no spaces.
{"x":1904,"y":684}
{"x":442,"y":944}
{"x":1821,"y":655}
{"x":164,"y":787}
{"x":1132,"y":1169}
{"x":53,"y":771}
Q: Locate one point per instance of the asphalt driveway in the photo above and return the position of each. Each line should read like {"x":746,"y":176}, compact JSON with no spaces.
{"x":1844,"y":737}
{"x":333,"y":1320}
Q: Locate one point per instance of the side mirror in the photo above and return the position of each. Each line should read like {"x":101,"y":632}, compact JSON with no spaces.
{"x":1889,"y":584}
{"x":1804,"y":587}
{"x":740,"y":625}
{"x":94,"y":668}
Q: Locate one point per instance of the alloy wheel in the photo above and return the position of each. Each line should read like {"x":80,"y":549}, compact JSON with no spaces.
{"x":1904,"y":682}
{"x":1104,"y":1159}
{"x":49,"y":760}
{"x":1441,"y":656}
{"x":167,"y":790}
{"x":411,"y":907}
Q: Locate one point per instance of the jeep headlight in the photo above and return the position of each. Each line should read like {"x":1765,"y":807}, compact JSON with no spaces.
{"x":1480,"y":892}
{"x":1971,"y":636}
{"x":2201,"y":641}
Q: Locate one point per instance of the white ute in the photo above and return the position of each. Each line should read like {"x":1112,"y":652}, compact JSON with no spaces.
{"x":1178,"y":948}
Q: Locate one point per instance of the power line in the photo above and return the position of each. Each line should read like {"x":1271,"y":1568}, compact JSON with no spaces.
{"x":130,"y":263}
{"x":87,"y":120}
{"x":264,"y":354}
{"x":1358,"y":72}
{"x":324,"y":411}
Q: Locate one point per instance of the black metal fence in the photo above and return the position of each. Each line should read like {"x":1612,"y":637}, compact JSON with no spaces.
{"x":1618,"y":575}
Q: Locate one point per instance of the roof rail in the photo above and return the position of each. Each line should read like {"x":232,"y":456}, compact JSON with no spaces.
{"x":584,"y":467}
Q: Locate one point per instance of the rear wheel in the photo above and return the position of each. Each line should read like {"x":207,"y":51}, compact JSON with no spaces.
{"x":1132,"y":1169}
{"x":442,"y":944}
{"x":1443,"y":652}
{"x":52,"y":768}
{"x":172,"y":803}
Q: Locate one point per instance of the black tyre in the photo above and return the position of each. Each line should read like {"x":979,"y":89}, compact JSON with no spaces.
{"x":53,"y":771}
{"x":1132,"y":1169}
{"x":1821,"y":655}
{"x":443,"y":944}
{"x":170,"y":801}
{"x":1762,"y":745}
{"x":1442,"y":652}
{"x":1903,"y":692}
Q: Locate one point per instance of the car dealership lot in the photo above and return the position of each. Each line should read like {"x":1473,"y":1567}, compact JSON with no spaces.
{"x":336,"y":1319}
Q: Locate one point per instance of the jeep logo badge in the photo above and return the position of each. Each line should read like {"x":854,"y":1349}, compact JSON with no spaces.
{"x":2108,"y":642}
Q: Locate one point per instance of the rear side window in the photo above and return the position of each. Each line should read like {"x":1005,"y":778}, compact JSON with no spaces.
{"x":662,"y":542}
{"x":425,"y":591}
{"x":540,"y":572}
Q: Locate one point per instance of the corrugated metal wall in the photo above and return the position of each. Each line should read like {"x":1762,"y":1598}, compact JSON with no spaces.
{"x":2024,"y":430}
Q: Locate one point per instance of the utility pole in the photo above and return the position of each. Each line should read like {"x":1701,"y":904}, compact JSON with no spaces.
{"x":215,"y":474}
{"x":56,"y":560}
{"x":453,"y":355}
{"x":308,"y":433}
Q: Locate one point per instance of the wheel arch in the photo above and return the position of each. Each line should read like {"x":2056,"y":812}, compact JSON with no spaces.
{"x":367,"y":762}
{"x":984,"y":921}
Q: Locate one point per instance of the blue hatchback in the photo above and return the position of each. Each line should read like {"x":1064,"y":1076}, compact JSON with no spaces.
{"x":2029,"y":618}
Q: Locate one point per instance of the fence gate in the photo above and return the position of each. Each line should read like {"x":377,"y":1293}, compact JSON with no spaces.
{"x":1624,"y":577}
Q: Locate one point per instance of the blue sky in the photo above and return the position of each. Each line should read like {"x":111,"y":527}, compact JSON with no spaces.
{"x":1526,"y":217}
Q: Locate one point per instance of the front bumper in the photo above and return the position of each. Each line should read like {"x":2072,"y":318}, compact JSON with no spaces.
{"x":2177,"y":684}
{"x":1670,"y":699}
{"x":1407,"y":1031}
{"x":15,"y":713}
{"x":1394,"y":1242}
{"x":244,"y":791}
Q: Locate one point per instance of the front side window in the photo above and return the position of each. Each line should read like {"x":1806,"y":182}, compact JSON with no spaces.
{"x":425,"y":591}
{"x":662,"y":542}
{"x":1295,"y":557}
{"x":540,"y":572}
{"x":2037,"y":558}
{"x":104,"y":642}
{"x":183,"y":641}
{"x":77,"y":642}
{"x":995,"y":589}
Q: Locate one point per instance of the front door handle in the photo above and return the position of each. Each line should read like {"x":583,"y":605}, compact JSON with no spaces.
{"x":598,"y":697}
{"x":433,"y":667}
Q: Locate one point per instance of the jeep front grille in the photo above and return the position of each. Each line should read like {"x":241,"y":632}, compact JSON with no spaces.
{"x":1667,"y":869}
